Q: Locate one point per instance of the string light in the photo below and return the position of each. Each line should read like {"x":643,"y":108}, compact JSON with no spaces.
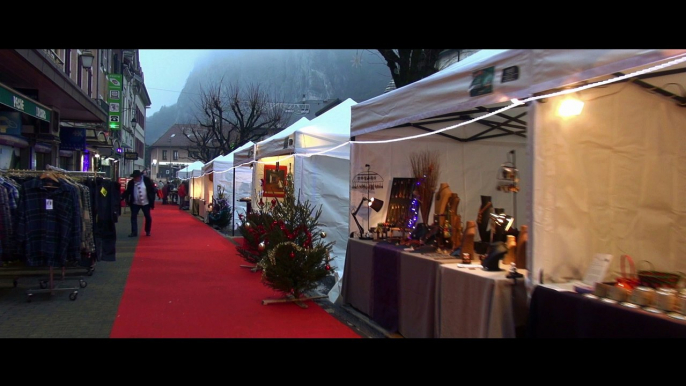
{"x":514,"y":103}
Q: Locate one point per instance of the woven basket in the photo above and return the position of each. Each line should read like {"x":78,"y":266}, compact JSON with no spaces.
{"x":658,"y":279}
{"x":628,"y":279}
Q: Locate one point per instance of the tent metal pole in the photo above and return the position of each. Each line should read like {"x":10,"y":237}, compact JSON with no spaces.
{"x":233,"y":208}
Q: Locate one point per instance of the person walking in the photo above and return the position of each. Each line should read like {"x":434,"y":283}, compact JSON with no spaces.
{"x":165,"y":193}
{"x":182,"y":195}
{"x":140,"y":195}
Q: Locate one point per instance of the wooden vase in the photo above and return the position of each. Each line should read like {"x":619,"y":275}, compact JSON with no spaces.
{"x":520,"y":253}
{"x":511,"y":244}
{"x":468,"y":239}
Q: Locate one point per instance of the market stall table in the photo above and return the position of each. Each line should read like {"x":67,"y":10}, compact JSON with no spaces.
{"x":394,"y":287}
{"x":474,"y":303}
{"x":565,"y":314}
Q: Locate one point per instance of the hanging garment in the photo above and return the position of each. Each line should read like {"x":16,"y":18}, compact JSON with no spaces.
{"x":48,"y":231}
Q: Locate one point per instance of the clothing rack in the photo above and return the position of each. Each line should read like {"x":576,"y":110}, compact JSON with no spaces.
{"x":49,"y":285}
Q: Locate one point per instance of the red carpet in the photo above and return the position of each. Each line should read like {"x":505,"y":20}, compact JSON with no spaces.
{"x":186,"y":282}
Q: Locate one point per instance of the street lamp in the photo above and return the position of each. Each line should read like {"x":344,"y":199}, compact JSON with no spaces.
{"x":87,"y":59}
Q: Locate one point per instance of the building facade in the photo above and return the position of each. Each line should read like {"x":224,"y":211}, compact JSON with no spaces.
{"x":170,"y":153}
{"x":55,"y":109}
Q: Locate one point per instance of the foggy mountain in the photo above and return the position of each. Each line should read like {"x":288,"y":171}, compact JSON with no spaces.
{"x":290,"y":76}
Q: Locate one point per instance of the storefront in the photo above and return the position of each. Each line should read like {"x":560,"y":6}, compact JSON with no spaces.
{"x":25,"y":131}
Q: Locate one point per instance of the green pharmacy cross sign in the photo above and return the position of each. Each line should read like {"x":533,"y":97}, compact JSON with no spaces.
{"x":23,"y":104}
{"x":114,"y":99}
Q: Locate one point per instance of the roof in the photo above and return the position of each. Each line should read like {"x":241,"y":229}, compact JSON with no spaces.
{"x":174,"y":137}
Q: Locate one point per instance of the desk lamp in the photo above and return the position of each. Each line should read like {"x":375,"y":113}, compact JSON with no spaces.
{"x":375,"y":204}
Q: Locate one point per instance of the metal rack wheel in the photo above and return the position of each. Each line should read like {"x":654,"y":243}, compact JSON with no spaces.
{"x":73,"y":295}
{"x":29,"y":297}
{"x":43,"y":284}
{"x":90,"y":271}
{"x":82,"y":283}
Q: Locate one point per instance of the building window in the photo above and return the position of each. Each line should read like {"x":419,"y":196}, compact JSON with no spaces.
{"x":67,"y":62}
{"x":176,"y":155}
{"x":79,"y":75}
{"x":104,"y":62}
{"x":90,"y":82}
{"x":164,"y":155}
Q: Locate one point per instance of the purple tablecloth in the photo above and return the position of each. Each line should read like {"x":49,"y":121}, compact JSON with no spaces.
{"x":564,"y":314}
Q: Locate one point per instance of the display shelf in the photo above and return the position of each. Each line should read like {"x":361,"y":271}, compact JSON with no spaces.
{"x":399,"y":202}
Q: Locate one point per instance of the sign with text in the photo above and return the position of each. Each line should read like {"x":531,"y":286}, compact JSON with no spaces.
{"x":114,"y":94}
{"x":131,"y":155}
{"x":24,"y":104}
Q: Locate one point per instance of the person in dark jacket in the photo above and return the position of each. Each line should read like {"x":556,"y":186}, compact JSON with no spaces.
{"x":165,"y":193}
{"x":140,"y":195}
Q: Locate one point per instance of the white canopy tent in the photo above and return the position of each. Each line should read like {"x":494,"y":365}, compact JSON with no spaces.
{"x":236,"y":181}
{"x":607,"y":181}
{"x":186,"y":172}
{"x":323,"y":179}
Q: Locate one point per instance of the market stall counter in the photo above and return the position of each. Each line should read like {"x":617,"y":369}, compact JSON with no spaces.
{"x":566,"y":314}
{"x":395,"y":288}
{"x":481,"y":304}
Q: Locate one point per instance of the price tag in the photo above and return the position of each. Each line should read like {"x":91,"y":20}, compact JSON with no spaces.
{"x":103,"y":191}
{"x":48,"y":204}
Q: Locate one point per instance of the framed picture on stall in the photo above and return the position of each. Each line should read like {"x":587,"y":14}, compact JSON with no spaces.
{"x":274,"y":180}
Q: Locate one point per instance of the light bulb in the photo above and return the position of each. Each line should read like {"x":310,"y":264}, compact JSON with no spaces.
{"x":570,"y":107}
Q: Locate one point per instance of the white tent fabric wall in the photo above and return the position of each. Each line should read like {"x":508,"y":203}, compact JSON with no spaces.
{"x":222,"y":171}
{"x":470,"y":169}
{"x":196,"y":184}
{"x":323,"y":179}
{"x":540,"y":71}
{"x":610,"y":180}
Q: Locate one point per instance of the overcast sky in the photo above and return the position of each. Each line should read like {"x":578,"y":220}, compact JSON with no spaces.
{"x":165,"y":73}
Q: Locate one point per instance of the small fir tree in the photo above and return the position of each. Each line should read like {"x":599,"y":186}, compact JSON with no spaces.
{"x":296,"y":256}
{"x":253,"y":228}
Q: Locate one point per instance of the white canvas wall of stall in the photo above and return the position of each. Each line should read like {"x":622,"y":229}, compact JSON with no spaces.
{"x":222,"y":173}
{"x":195,"y":185}
{"x":323,"y":179}
{"x":470,"y":169}
{"x":610,"y":180}
{"x":538,"y":72}
{"x":264,"y":152}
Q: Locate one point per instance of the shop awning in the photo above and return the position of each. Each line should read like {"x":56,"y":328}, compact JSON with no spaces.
{"x":32,"y":69}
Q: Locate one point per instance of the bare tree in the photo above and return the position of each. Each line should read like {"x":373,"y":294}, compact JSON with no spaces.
{"x":204,"y":146}
{"x":410,"y":65}
{"x":229,"y":116}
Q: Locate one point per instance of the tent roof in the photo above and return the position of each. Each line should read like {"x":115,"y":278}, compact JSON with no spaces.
{"x":516,"y":74}
{"x":192,"y":170}
{"x":225,"y":162}
{"x":194,"y":166}
{"x":325,"y":131}
{"x":248,"y":154}
{"x":274,"y":144}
